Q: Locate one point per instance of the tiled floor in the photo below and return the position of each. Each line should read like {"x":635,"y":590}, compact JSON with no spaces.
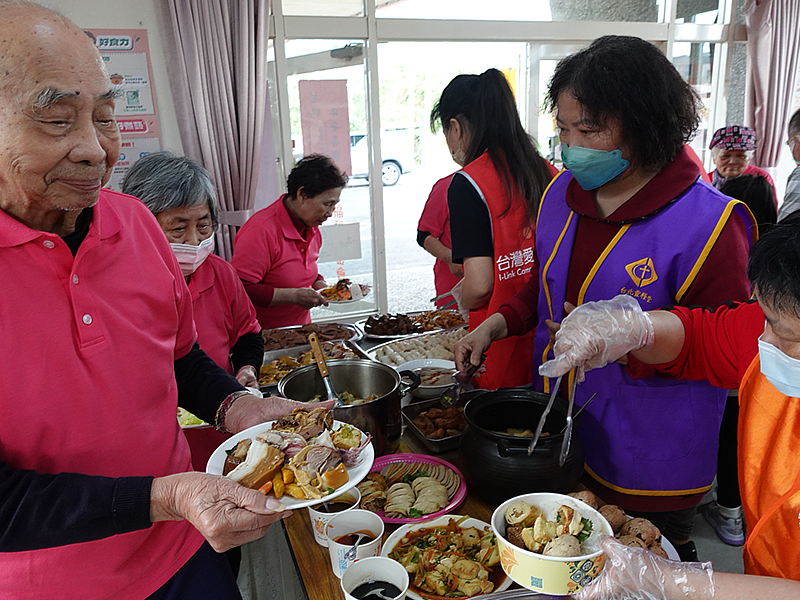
{"x":726,"y":559}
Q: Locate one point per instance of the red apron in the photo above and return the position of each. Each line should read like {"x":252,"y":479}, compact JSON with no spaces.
{"x":508,"y":362}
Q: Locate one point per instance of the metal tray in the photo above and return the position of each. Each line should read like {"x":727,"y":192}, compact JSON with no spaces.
{"x":412,"y":411}
{"x":272,"y":389}
{"x":362,"y":326}
{"x":270,"y":355}
{"x":372,"y":352}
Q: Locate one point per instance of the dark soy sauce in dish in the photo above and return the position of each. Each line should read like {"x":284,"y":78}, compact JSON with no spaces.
{"x":349,"y":539}
{"x":334,"y":507}
{"x":386,"y":590}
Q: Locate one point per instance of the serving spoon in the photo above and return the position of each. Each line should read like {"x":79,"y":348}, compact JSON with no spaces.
{"x":319,"y":358}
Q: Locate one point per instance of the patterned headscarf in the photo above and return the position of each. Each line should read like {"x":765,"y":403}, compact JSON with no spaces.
{"x":734,"y":137}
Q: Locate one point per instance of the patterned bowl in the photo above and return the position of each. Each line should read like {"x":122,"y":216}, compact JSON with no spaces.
{"x":551,"y":574}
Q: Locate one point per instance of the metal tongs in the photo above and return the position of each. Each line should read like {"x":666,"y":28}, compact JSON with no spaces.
{"x":462,"y":382}
{"x":568,"y":432}
{"x":543,"y":418}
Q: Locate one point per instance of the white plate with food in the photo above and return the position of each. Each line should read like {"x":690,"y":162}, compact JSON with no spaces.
{"x":345,"y":292}
{"x":480,"y":547}
{"x":354,"y":474}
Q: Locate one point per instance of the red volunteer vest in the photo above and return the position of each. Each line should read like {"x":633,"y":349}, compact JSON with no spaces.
{"x":508,"y":362}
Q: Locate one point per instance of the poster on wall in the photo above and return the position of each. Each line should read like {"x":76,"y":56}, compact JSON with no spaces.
{"x":325,"y":120}
{"x":126,"y":53}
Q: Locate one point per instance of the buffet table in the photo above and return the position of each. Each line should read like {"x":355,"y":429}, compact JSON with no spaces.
{"x":313,"y":561}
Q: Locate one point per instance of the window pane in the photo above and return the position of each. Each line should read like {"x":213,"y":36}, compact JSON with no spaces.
{"x":695,"y":62}
{"x":410,"y":84}
{"x":522,"y":10}
{"x":327,"y":110}
{"x":323,"y":8}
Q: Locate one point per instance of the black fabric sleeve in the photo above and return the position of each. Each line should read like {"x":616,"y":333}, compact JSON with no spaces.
{"x":248,"y":350}
{"x":470,"y":224}
{"x":202,"y":384}
{"x":39,"y":510}
{"x":422,"y":236}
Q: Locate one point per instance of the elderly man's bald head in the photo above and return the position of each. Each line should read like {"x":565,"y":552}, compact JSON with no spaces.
{"x":26,"y":30}
{"x":58,"y":136}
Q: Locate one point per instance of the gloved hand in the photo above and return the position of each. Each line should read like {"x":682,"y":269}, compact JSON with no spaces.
{"x":456,"y":292}
{"x":636,"y":573}
{"x":597,"y":333}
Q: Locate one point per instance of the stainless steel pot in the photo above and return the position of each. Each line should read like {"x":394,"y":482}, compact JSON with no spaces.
{"x":362,"y":378}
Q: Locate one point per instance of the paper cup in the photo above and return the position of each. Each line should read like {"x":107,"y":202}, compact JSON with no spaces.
{"x":320,"y":518}
{"x":375,"y":568}
{"x":353,"y":521}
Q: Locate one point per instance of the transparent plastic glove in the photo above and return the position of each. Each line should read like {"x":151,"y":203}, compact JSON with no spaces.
{"x":597,"y":333}
{"x":636,"y":573}
{"x":456,"y":292}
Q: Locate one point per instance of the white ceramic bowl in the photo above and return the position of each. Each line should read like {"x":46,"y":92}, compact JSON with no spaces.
{"x":428,"y":391}
{"x":551,"y":574}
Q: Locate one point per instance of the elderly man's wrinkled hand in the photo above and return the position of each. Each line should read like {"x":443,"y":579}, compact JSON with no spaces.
{"x":638,"y":573}
{"x":227,"y":514}
{"x":251,"y":410}
{"x":597,"y":333}
{"x":248,"y":377}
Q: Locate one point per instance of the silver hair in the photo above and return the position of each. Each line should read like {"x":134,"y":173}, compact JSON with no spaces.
{"x":166,"y":181}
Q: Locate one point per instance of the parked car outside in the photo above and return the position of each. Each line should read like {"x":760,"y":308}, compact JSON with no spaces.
{"x":397,"y":148}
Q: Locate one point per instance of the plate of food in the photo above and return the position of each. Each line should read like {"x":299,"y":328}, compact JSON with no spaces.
{"x":465,"y":543}
{"x":304,"y":458}
{"x":345,"y":291}
{"x":410,"y":488}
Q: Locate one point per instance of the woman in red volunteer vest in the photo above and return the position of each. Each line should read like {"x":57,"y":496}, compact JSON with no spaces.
{"x":276,"y":251}
{"x":754,"y":346}
{"x":493,"y":202}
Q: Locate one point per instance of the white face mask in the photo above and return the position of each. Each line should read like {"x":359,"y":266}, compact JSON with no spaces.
{"x":191,"y":257}
{"x":781,"y":370}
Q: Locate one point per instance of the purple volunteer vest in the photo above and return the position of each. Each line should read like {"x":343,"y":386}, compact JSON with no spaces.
{"x":650,"y":436}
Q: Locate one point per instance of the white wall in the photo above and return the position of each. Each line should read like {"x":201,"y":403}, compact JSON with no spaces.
{"x":118,"y":14}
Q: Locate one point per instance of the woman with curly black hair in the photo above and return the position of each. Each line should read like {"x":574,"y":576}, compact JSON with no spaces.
{"x":631,"y":215}
{"x":492,"y":201}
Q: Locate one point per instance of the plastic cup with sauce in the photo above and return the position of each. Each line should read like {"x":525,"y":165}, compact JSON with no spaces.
{"x":341,"y":530}
{"x":375,"y":570}
{"x":322,"y":513}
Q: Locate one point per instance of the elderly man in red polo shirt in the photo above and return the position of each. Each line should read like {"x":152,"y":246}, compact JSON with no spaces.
{"x":99,"y":346}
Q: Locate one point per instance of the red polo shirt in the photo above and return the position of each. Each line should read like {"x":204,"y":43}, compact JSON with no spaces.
{"x":222,"y":311}
{"x":87,"y":385}
{"x":269,"y":250}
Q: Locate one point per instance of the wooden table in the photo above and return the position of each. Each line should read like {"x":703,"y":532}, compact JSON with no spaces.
{"x":313,"y":561}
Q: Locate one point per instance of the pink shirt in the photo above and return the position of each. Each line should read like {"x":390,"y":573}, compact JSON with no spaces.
{"x":222,"y":311}
{"x":268,"y":249}
{"x":87,"y":385}
{"x":435,"y":219}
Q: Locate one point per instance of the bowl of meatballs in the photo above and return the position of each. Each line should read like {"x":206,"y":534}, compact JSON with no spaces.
{"x":550,"y":543}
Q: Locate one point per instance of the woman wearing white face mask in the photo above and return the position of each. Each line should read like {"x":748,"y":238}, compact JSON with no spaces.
{"x":181,"y":195}
{"x":631,"y":215}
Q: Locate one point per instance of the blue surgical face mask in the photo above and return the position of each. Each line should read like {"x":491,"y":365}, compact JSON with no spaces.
{"x":593,"y":168}
{"x":781,"y":370}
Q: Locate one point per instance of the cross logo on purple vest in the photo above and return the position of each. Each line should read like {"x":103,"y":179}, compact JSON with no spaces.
{"x":643,"y":272}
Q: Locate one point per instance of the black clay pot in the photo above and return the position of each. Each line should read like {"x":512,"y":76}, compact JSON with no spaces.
{"x":497,"y":466}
